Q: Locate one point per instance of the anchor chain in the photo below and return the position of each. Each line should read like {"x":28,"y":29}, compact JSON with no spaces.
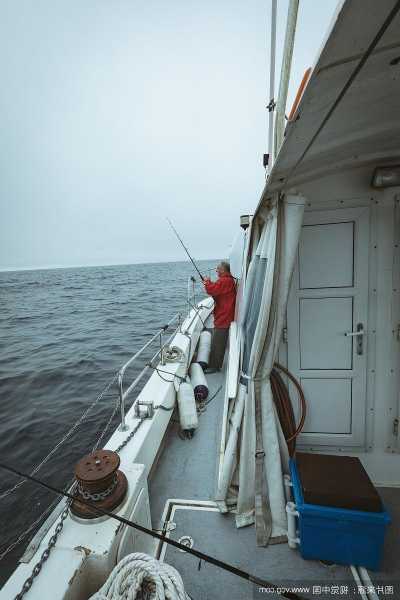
{"x":128,"y":439}
{"x":46,"y":553}
{"x":97,"y":496}
{"x":77,"y":490}
{"x":53,"y":540}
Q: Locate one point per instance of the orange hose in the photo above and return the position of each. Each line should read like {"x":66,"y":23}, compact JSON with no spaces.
{"x":300,"y":92}
{"x":302,"y":401}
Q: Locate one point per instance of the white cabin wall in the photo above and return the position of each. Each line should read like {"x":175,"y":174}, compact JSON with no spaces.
{"x":349,"y":189}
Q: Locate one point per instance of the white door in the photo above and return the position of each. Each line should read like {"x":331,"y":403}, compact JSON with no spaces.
{"x":328,"y":304}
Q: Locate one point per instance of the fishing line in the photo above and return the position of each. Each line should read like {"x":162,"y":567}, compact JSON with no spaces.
{"x":210,"y":559}
{"x":184,"y":247}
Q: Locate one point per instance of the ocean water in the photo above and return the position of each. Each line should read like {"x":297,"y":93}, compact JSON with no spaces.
{"x":63,"y":335}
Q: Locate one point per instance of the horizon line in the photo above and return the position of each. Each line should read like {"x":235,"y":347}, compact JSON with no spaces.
{"x":54,"y":267}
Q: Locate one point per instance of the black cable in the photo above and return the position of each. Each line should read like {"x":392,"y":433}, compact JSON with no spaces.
{"x":163,"y":378}
{"x":201,"y":555}
{"x":197,"y":311}
{"x":166,"y":408}
{"x":207,"y":402}
{"x":349,"y":82}
{"x":158,"y":371}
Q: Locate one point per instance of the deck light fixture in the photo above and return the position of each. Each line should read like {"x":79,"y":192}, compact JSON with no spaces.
{"x":245,"y":221}
{"x":386,"y":176}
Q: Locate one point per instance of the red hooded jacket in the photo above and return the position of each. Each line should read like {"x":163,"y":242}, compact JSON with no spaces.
{"x":223,"y":292}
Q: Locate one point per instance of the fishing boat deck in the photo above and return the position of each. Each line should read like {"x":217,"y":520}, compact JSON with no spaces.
{"x":182,"y":489}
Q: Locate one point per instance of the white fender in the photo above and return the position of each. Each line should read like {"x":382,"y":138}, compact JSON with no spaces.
{"x":199,"y":381}
{"x":204,"y":348}
{"x":187,"y":407}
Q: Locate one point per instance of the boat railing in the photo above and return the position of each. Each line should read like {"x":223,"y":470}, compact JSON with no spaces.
{"x":191,"y":291}
{"x":194,"y":284}
{"x":158,"y":338}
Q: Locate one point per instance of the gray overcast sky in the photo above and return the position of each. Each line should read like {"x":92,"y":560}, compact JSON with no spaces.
{"x":115,"y":113}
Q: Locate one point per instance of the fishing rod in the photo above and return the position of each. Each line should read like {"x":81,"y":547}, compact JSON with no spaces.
{"x":186,"y":250}
{"x":201,"y":555}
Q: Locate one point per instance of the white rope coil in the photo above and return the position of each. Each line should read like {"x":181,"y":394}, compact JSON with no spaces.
{"x":140,"y":576}
{"x":173,"y":354}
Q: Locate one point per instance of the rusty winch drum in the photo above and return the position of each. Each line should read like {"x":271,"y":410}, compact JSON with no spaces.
{"x":99,"y":482}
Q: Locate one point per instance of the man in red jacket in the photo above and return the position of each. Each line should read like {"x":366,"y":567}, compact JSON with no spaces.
{"x":223,"y":291}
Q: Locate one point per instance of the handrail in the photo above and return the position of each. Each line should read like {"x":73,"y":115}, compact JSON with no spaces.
{"x":191,"y":290}
{"x":123,"y":394}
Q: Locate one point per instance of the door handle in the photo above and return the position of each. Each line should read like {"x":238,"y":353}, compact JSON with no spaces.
{"x":359,"y":335}
{"x":354,"y":333}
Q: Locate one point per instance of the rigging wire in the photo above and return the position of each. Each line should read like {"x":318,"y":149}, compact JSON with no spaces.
{"x":106,"y":428}
{"x":65,"y":437}
{"x":4,"y":552}
{"x":20,"y":537}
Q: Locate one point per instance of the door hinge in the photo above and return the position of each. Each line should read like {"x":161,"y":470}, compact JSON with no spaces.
{"x":396,"y":427}
{"x":284,"y":334}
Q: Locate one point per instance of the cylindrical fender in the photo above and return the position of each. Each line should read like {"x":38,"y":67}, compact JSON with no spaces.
{"x":204,"y":349}
{"x":187,"y":407}
{"x":199,"y":381}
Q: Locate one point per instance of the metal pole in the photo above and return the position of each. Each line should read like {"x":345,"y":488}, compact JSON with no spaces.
{"x":194,"y":290}
{"x":161,"y":348}
{"x":272,"y":85}
{"x":188,"y":293}
{"x":285,"y":74}
{"x":151,"y":340}
{"x":123,"y":426}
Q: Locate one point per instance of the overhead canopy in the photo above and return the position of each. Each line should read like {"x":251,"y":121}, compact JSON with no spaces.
{"x":364,"y":127}
{"x":349,"y":115}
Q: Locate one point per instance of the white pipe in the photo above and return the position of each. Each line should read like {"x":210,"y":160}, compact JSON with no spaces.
{"x":272,"y":84}
{"x":285,"y":74}
{"x":230,"y":456}
{"x":292,"y":513}
{"x":359,"y":583}
{"x":372,"y":595}
{"x":288,"y":488}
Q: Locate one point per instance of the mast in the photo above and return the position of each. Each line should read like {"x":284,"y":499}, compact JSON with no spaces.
{"x":272,"y":85}
{"x":285,"y":74}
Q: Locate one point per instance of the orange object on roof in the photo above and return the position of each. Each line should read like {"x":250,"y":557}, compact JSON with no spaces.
{"x":300,"y":91}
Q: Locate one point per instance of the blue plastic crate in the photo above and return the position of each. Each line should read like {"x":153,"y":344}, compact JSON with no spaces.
{"x":339,"y":535}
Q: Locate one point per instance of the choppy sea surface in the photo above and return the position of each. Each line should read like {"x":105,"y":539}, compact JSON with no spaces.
{"x":63,"y":335}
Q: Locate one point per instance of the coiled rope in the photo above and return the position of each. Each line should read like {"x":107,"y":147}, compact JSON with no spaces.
{"x":142,"y":576}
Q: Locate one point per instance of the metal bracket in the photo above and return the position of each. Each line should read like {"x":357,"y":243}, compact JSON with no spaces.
{"x":144,"y":410}
{"x":271,"y":105}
